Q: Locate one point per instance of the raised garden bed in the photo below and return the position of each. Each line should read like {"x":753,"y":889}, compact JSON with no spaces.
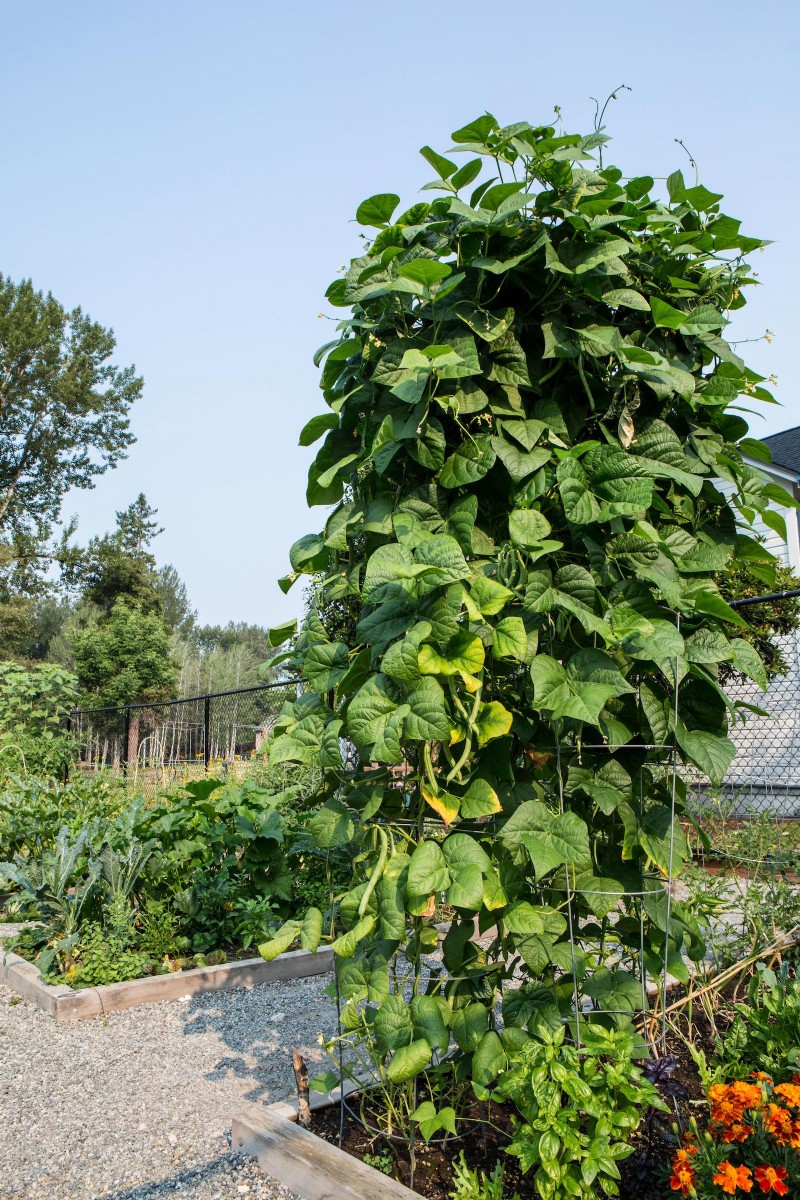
{"x":68,"y":1004}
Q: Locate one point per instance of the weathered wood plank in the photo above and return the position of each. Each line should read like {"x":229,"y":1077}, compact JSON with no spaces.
{"x":306,"y":1164}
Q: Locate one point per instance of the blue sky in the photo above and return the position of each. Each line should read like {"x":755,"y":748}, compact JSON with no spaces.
{"x":189,"y":172}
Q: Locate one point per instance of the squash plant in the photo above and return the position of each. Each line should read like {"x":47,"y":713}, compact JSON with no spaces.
{"x":534,"y":461}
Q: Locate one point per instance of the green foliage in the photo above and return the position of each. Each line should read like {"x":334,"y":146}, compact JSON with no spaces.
{"x":213,"y":865}
{"x":33,"y":811}
{"x":529,"y":408}
{"x":579,"y":1109}
{"x":765,"y":1033}
{"x":767,"y":622}
{"x":107,"y":951}
{"x":35,"y":702}
{"x":477,"y":1185}
{"x":124,"y":658}
{"x":119,"y":565}
{"x":64,"y":407}
{"x":382,"y":1162}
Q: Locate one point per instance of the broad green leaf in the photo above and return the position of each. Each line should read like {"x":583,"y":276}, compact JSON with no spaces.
{"x":626,"y":298}
{"x":345,"y":946}
{"x":369,"y":710}
{"x":426,"y":271}
{"x":615,"y":991}
{"x":490,"y":596}
{"x":431,"y":1120}
{"x":560,"y":695}
{"x":510,"y":639}
{"x":392,"y":1024}
{"x":494,"y":721}
{"x":709,"y":752}
{"x":464,"y":654}
{"x":427,"y":719}
{"x":283,"y":939}
{"x":325,"y":664}
{"x":409,"y":1061}
{"x":279,"y":634}
{"x":400,"y":660}
{"x":480,"y":800}
{"x":427,"y":875}
{"x":377,"y":210}
{"x":469,"y":1025}
{"x":488,"y":1059}
{"x":665,"y":316}
{"x":747,"y":660}
{"x":332,"y":825}
{"x":527,"y":527}
{"x":468,"y":464}
{"x":443,"y":166}
{"x":311,"y":930}
{"x":580,"y":506}
{"x":485,"y":324}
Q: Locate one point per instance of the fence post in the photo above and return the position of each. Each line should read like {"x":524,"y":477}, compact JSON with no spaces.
{"x":125,"y":740}
{"x":69,"y":756}
{"x":206,"y":731}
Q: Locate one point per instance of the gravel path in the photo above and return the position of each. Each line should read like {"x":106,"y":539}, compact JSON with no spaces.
{"x":138,"y":1105}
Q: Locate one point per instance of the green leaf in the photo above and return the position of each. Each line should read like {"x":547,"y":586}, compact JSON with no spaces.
{"x":443,"y":166}
{"x":311,"y":930}
{"x":392,"y":1024}
{"x":709,"y":752}
{"x":615,"y":991}
{"x":409,"y":1061}
{"x":485,"y":324}
{"x":580,"y":506}
{"x":469,"y":1025}
{"x":325,"y":664}
{"x":377,"y":210}
{"x":430,"y":1120}
{"x":561,"y":695}
{"x":490,"y":596}
{"x":464,"y":654}
{"x":476,"y":131}
{"x":468,"y":464}
{"x":427,"y":719}
{"x":747,"y":660}
{"x":665,"y":316}
{"x":426,"y":271}
{"x":626,"y":298}
{"x":279,"y":634}
{"x":280,"y":943}
{"x":527,"y":527}
{"x":510,"y":639}
{"x":368,"y":712}
{"x":488,"y":1059}
{"x":346,"y":945}
{"x":429,"y":1016}
{"x":427,"y":875}
{"x":332,"y":825}
{"x":480,"y":800}
{"x":494,"y":721}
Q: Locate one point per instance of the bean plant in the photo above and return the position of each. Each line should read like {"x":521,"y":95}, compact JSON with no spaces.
{"x":534,"y":466}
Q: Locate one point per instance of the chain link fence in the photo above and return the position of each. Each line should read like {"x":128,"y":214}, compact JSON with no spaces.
{"x":178,"y":739}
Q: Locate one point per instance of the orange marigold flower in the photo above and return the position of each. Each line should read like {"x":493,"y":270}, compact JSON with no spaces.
{"x":748,"y":1094}
{"x":772,"y":1179}
{"x":790,"y":1093}
{"x":737,"y":1133}
{"x":682,"y":1180}
{"x":730,"y":1177}
{"x":762,"y":1075}
{"x":778,"y":1122}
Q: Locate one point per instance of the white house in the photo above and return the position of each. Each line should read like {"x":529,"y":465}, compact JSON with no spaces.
{"x":765,"y":775}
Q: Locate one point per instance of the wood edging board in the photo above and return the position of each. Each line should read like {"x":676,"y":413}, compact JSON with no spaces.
{"x":304,"y":1163}
{"x":69,"y":1004}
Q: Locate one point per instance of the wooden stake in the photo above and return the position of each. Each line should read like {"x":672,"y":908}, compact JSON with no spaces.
{"x":301,"y":1075}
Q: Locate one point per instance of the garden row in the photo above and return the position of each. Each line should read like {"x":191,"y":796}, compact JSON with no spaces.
{"x":118,"y":889}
